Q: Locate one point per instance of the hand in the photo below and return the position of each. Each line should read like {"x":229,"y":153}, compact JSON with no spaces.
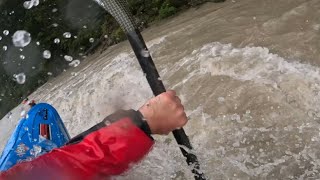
{"x":164,"y":113}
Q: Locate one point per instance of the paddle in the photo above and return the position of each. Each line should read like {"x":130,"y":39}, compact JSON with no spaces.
{"x":118,"y":9}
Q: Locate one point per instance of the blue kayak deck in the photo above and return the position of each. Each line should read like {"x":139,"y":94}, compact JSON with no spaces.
{"x":27,"y":140}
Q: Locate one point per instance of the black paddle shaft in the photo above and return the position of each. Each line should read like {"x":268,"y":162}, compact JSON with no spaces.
{"x":119,"y":10}
{"x":140,"y":49}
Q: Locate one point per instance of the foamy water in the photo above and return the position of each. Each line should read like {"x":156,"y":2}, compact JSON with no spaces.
{"x":254,"y":112}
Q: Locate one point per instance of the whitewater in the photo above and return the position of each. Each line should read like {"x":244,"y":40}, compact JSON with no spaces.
{"x":247,"y":72}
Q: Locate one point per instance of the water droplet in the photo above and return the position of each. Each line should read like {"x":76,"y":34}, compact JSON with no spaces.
{"x":35,"y":2}
{"x":49,"y":73}
{"x":20,"y":78}
{"x":0,"y":38}
{"x":33,"y":67}
{"x":27,"y":4}
{"x":235,"y":117}
{"x":145,"y":53}
{"x":5,"y":48}
{"x":21,"y":38}
{"x":20,"y":49}
{"x":54,"y":10}
{"x":174,"y":175}
{"x":22,"y":57}
{"x":67,"y":35}
{"x":84,"y":27}
{"x":106,"y":36}
{"x":75,"y":37}
{"x":221,"y":99}
{"x":6,"y":32}
{"x":23,"y":113}
{"x":68,"y":58}
{"x":74,"y":63}
{"x":38,"y":43}
{"x":55,"y":25}
{"x":46,"y":54}
{"x":91,"y":40}
{"x":56,"y":40}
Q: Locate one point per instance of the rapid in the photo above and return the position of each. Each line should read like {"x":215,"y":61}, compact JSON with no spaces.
{"x":247,"y":72}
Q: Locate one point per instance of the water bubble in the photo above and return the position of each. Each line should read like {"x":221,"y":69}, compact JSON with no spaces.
{"x":22,"y":57}
{"x":5,"y":48}
{"x":74,"y":63}
{"x":21,"y":38}
{"x":91,"y":40}
{"x":6,"y":32}
{"x":55,"y":25}
{"x":221,"y":99}
{"x":54,"y":10}
{"x":68,"y":58}
{"x":46,"y":54}
{"x":20,"y":78}
{"x":145,"y":53}
{"x":27,"y":4}
{"x":56,"y":40}
{"x":67,"y":35}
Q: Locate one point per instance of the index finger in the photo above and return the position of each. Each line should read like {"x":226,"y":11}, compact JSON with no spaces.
{"x":172,"y":93}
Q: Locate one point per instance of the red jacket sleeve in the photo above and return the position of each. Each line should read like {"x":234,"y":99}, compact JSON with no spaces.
{"x":103,"y":153}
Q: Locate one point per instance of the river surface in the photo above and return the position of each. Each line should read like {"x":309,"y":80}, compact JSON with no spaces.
{"x":247,"y":72}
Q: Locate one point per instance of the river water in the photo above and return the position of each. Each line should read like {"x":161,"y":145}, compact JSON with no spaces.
{"x":247,"y":72}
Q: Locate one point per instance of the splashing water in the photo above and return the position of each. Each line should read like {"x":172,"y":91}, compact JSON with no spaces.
{"x":145,"y":53}
{"x":22,"y":57}
{"x":21,"y":38}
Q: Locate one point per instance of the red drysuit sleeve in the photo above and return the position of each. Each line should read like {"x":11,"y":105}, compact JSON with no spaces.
{"x":101,"y":154}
